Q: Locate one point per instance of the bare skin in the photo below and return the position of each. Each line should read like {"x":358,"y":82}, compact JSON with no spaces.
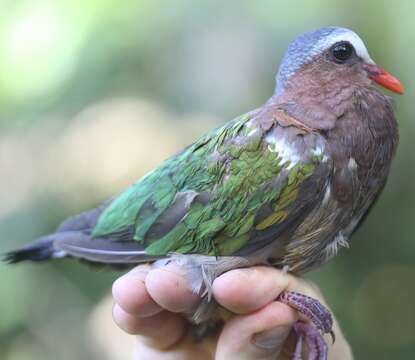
{"x":148,"y":303}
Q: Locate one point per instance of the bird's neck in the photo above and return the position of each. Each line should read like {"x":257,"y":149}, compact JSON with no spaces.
{"x":367,"y":130}
{"x":358,"y":121}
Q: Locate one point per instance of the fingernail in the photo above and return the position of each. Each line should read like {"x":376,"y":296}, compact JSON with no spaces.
{"x":272,"y":339}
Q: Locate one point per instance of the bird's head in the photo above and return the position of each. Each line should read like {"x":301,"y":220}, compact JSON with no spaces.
{"x":331,"y":56}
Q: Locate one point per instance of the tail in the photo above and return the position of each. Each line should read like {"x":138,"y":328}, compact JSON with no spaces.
{"x":72,"y":239}
{"x":39,"y":250}
{"x":80,"y":245}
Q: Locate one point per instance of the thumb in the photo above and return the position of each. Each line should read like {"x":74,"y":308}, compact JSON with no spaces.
{"x":259,"y":335}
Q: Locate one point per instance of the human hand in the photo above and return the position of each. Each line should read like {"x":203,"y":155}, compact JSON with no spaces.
{"x":149,"y":303}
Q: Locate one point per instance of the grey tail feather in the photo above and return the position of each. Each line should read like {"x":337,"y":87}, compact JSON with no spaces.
{"x":80,"y":245}
{"x":39,"y":250}
{"x":102,"y":250}
{"x":43,"y":249}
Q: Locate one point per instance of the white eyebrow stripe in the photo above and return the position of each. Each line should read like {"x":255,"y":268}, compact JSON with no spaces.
{"x":352,"y":38}
{"x":313,"y":43}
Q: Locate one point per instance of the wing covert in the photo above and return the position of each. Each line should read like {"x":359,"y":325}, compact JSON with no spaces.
{"x":227,"y":190}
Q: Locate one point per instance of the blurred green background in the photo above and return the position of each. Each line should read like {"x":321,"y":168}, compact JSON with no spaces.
{"x":93,"y":94}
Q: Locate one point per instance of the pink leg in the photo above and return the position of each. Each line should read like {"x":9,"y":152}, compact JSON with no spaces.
{"x":319,"y":316}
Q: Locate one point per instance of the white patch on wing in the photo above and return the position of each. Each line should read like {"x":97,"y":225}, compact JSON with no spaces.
{"x":284,"y":150}
{"x":319,"y":150}
{"x":352,"y":165}
{"x":327,"y":195}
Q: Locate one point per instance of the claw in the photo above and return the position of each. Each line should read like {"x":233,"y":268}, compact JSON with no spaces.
{"x":333,"y":336}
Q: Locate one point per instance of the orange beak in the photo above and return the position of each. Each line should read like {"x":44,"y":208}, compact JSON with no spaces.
{"x":383,"y":78}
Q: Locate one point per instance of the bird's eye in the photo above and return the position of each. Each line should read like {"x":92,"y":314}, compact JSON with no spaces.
{"x":342,"y":51}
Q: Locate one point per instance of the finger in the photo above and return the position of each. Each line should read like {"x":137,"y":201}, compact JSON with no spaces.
{"x":130,"y":293}
{"x":260,"y":335}
{"x":159,"y":331}
{"x":245,"y":290}
{"x":184,"y":350}
{"x":170,"y":289}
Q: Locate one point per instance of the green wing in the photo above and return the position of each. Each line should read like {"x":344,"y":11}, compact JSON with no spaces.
{"x":213,"y":198}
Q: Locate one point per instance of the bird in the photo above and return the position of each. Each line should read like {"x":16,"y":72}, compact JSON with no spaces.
{"x":284,"y":185}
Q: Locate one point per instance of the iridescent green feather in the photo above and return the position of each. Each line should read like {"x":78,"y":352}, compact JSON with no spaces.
{"x":236,"y":168}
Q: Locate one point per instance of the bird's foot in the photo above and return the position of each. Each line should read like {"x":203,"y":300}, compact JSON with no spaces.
{"x":322,"y":322}
{"x":317,"y":347}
